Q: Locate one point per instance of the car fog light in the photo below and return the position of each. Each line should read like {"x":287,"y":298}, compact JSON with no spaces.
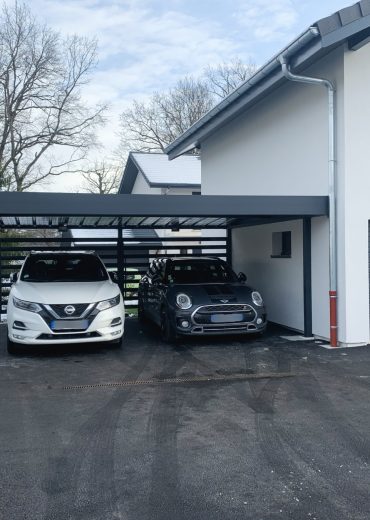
{"x":185,"y":324}
{"x":17,"y":336}
{"x":259,"y":321}
{"x":116,"y":332}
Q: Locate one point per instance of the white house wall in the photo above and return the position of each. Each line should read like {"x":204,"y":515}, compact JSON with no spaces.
{"x":141,"y":187}
{"x":280,"y":147}
{"x":354,"y":200}
{"x":179,"y":191}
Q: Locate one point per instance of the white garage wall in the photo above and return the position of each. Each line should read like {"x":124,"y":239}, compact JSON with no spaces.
{"x":320,"y":277}
{"x":280,"y":280}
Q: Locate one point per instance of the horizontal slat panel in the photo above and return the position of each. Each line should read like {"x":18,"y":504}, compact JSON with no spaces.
{"x":138,"y":252}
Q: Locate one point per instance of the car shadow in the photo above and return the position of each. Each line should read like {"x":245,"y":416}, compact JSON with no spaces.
{"x":58,"y":351}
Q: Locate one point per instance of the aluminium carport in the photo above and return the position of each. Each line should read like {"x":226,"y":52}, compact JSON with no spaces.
{"x":65,"y":211}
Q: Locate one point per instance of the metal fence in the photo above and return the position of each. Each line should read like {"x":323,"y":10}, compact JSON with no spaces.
{"x":128,"y":257}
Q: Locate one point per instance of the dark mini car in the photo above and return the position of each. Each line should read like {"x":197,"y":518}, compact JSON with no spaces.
{"x":199,"y":296}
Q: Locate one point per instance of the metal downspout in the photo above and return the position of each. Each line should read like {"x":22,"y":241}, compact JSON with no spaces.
{"x":283,"y":59}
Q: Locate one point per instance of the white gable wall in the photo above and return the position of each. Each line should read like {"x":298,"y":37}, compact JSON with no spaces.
{"x":354,"y":199}
{"x":141,"y":187}
{"x":280,"y":147}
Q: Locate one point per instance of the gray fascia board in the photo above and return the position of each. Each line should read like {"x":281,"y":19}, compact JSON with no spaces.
{"x":346,"y":31}
{"x":129,"y":176}
{"x":128,"y":205}
{"x":173,"y":185}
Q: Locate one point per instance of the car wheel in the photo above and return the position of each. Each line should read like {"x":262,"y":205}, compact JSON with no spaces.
{"x":12,"y":347}
{"x":167,"y":331}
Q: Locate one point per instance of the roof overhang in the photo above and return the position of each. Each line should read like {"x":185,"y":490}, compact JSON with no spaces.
{"x":73,"y":210}
{"x":350,"y":25}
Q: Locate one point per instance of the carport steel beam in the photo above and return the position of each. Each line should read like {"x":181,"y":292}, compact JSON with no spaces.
{"x":89,"y":205}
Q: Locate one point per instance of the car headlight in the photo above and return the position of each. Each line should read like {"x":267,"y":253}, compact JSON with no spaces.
{"x":257,"y":299}
{"x":107,"y":304}
{"x":183,"y":301}
{"x":26,"y":306}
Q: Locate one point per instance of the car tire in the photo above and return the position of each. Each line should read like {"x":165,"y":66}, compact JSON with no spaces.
{"x":12,"y":347}
{"x":167,"y":331}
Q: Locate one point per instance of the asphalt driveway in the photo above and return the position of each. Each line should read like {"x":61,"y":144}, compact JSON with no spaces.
{"x":213,"y":429}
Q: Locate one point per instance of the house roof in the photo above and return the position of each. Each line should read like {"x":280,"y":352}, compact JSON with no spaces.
{"x":159,"y":172}
{"x":351,"y":25}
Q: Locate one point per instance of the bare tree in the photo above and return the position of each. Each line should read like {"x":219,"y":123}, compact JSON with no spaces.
{"x":102,"y":178}
{"x":45,"y":128}
{"x":226,"y":77}
{"x":152,"y":125}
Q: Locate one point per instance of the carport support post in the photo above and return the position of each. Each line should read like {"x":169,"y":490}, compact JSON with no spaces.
{"x":120,"y":259}
{"x":307,"y":277}
{"x":1,"y":279}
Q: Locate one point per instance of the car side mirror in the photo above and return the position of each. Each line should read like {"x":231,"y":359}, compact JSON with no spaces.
{"x":14,"y":277}
{"x":113,"y":276}
{"x":242,"y":278}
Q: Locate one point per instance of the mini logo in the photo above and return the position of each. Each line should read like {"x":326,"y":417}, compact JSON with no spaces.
{"x":224,"y":301}
{"x":69,"y":309}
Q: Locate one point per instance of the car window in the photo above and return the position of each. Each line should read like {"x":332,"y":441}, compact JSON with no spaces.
{"x":63,"y":268}
{"x":201,"y":271}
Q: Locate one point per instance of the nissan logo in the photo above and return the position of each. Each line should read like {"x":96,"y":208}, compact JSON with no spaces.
{"x":69,"y":309}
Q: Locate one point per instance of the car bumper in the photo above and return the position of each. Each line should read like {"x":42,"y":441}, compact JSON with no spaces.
{"x":257,"y":324}
{"x":38,"y":332}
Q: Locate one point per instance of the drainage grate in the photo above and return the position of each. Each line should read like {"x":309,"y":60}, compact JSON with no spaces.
{"x":181,"y":380}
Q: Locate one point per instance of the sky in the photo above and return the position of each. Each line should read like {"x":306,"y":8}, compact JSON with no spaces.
{"x":147,"y":45}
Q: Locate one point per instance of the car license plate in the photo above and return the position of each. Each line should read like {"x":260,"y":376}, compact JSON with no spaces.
{"x":69,"y":324}
{"x":226,"y":318}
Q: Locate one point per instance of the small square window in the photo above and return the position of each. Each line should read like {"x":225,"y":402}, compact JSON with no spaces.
{"x":281,"y":244}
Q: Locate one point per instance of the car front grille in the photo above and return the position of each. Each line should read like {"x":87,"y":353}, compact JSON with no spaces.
{"x":203,"y":315}
{"x":225,"y":308}
{"x":68,"y":335}
{"x":59,"y":310}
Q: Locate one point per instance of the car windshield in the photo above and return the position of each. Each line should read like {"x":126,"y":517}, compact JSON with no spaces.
{"x":63,"y":268}
{"x":200,"y":271}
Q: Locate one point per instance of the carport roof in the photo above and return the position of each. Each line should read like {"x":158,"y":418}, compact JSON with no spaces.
{"x":81,"y":210}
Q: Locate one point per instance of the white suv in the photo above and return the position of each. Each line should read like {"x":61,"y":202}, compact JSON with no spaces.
{"x":62,"y":297}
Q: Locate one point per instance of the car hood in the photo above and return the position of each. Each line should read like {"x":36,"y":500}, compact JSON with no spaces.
{"x":214,"y":293}
{"x":65,"y":292}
